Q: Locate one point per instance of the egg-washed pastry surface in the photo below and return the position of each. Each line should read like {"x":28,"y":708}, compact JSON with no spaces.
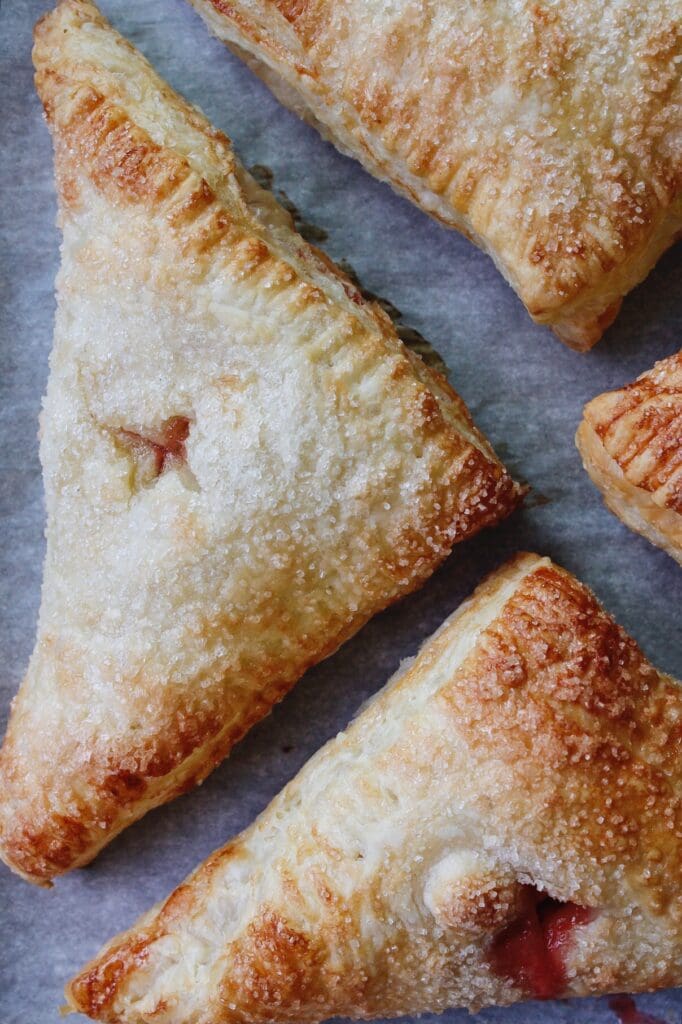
{"x":548,"y":132}
{"x":630,"y":441}
{"x":503,"y":821}
{"x":242,"y":461}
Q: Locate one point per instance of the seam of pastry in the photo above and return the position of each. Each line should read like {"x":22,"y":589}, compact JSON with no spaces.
{"x":630,"y":441}
{"x":638,"y":509}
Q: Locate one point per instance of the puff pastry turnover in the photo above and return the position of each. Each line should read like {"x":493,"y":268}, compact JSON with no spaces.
{"x":502,"y":821}
{"x":242,"y":462}
{"x":631,"y":444}
{"x":548,"y":132}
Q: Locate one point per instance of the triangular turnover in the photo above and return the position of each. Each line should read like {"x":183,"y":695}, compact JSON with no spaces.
{"x":242,"y":461}
{"x":503,"y":821}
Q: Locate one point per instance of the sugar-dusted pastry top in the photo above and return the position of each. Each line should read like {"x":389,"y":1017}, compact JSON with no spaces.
{"x":631,"y":444}
{"x":548,"y":132}
{"x":502,"y":821}
{"x":242,"y":461}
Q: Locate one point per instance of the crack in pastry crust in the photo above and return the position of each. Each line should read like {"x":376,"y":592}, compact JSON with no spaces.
{"x":521,"y":775}
{"x":631,"y":444}
{"x":547,"y":133}
{"x":325,"y":473}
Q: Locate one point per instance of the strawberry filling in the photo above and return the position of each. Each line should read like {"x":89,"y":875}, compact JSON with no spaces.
{"x":625,"y":1009}
{"x":530,"y":952}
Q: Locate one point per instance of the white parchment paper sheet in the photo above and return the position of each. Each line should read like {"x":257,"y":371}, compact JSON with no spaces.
{"x":525,"y":389}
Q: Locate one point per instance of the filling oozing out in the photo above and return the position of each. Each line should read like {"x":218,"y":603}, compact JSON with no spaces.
{"x":627,"y":1013}
{"x":530,"y":952}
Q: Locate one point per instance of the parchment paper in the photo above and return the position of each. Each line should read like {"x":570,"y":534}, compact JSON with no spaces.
{"x":525,"y":389}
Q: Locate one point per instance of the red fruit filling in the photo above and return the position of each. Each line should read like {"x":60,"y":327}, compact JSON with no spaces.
{"x":530,"y":952}
{"x":625,"y":1009}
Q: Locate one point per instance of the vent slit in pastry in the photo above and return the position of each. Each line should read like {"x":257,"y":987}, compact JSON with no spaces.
{"x":242,"y":465}
{"x":502,"y":821}
{"x":154,"y":452}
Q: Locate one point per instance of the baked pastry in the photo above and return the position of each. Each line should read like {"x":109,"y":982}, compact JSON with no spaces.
{"x":242,"y":461}
{"x":502,"y":821}
{"x":631,"y":444}
{"x":548,"y":133}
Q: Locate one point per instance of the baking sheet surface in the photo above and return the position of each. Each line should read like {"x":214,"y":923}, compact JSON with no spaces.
{"x":525,"y":389}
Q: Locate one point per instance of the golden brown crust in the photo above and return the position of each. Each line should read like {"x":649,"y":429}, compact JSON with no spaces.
{"x":242,"y":462}
{"x":631,"y":444}
{"x":547,"y":133}
{"x":530,"y":746}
